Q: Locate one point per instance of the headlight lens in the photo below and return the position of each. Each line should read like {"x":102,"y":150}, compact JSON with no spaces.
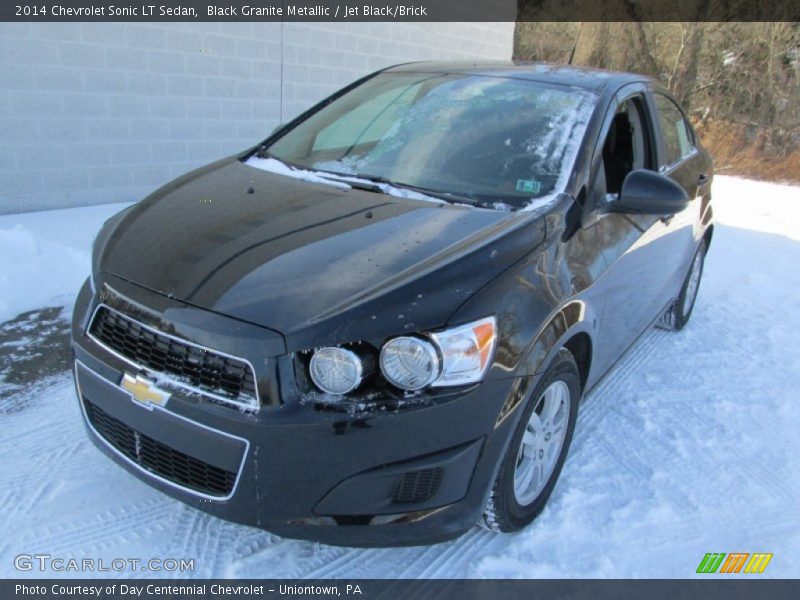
{"x":409,"y":363}
{"x":466,"y":352}
{"x":336,"y":370}
{"x":457,"y":356}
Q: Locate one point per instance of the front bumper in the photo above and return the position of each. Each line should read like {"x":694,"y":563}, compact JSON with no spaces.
{"x":411,"y":476}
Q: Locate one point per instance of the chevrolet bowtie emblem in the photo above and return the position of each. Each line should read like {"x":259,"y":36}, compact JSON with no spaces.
{"x":143,"y":390}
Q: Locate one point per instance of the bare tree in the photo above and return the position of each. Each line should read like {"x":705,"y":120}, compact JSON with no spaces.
{"x":739,"y":80}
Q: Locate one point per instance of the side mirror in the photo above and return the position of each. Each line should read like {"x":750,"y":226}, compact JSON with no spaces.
{"x":649,"y":193}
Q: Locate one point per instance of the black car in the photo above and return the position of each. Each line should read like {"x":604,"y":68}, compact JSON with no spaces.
{"x":375,"y":327}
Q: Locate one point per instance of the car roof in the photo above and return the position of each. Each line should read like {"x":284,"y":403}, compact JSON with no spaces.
{"x":582,"y":77}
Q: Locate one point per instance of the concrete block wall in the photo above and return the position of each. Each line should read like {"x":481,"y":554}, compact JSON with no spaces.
{"x":92,"y":113}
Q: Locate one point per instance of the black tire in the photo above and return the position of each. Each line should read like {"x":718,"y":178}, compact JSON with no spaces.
{"x":680,"y":311}
{"x":503,"y":512}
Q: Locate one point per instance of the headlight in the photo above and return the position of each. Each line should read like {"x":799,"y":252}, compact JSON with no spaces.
{"x":410,"y":363}
{"x":336,"y":370}
{"x":457,"y":356}
{"x":466,"y":352}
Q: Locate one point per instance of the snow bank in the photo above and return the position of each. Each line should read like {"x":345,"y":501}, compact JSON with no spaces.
{"x":759,"y":206}
{"x":36,"y":271}
{"x":46,"y":256}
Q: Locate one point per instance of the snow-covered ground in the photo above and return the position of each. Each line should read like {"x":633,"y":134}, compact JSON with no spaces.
{"x":691,"y":444}
{"x":46,"y":256}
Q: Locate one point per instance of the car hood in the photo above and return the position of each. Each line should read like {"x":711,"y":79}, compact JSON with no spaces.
{"x":317,"y":263}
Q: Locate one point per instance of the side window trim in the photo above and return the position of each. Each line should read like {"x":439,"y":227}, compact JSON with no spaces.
{"x":647,"y":114}
{"x":646,"y":117}
{"x":627,"y":93}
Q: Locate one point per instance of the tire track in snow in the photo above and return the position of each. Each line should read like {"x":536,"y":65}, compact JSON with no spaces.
{"x":190,"y":527}
{"x":213,"y":543}
{"x":249,"y":543}
{"x":113,"y":528}
{"x":601,"y":405}
{"x":323,"y":559}
{"x":460,"y":554}
{"x":450,"y":559}
{"x":763,"y":476}
{"x":699,"y":411}
{"x":204,"y":544}
{"x":336,"y":560}
{"x":594,"y":404}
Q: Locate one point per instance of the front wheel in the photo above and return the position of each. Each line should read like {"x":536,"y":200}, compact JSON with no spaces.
{"x":536,"y":454}
{"x":678,"y":313}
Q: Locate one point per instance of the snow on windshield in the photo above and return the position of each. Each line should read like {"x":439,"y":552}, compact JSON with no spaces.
{"x":496,"y":142}
{"x":275,"y":166}
{"x":477,"y":139}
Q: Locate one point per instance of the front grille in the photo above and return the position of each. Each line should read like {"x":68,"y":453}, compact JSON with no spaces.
{"x":205,"y":370}
{"x":159,"y":458}
{"x":418,"y":486}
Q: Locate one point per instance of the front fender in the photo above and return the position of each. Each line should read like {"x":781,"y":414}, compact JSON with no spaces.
{"x":576,"y":316}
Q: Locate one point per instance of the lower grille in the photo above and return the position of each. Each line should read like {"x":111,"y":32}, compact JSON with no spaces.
{"x":418,"y":486}
{"x":160,"y":459}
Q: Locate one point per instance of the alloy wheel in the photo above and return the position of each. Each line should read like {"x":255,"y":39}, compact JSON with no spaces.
{"x":541,"y":442}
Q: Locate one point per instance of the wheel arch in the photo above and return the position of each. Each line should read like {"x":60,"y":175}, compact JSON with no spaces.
{"x":580,"y":346}
{"x":570,"y":327}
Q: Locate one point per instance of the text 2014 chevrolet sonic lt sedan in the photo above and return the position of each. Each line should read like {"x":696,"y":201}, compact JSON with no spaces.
{"x":375,"y":327}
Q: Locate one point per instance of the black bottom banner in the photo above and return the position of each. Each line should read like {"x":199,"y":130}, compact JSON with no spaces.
{"x":646,"y":589}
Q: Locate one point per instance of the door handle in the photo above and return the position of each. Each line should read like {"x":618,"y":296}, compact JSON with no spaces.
{"x":702,"y":179}
{"x":667,"y":219}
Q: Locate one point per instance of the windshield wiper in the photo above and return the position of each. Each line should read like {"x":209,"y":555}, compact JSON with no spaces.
{"x":446,"y":196}
{"x":372,"y":183}
{"x":367,"y":186}
{"x":263,"y":152}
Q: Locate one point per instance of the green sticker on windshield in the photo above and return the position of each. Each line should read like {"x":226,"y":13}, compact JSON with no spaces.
{"x":528,"y":186}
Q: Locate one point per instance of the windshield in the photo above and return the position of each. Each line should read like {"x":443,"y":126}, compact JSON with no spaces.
{"x":488,"y":139}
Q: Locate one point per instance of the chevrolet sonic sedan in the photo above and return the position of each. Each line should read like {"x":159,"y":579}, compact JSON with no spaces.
{"x":375,"y":327}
